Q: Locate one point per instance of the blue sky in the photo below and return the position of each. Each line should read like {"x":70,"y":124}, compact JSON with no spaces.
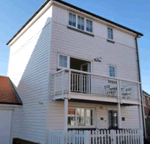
{"x":134,"y":14}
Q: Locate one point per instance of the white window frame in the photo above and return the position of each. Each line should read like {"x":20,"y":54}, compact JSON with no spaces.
{"x":85,"y":118}
{"x":112,"y":33}
{"x":115,"y":71}
{"x":68,"y":62}
{"x":83,"y":21}
{"x":86,"y":25}
{"x":76,"y":27}
{"x":76,"y":19}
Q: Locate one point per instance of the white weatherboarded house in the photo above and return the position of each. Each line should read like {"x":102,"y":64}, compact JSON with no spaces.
{"x":74,"y":70}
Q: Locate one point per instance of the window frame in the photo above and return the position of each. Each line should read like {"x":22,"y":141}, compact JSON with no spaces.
{"x":144,"y":100}
{"x":83,"y":22}
{"x":76,"y":27}
{"x":76,"y":19}
{"x":112,"y":39}
{"x":86,"y":25}
{"x":115,"y":71}
{"x":68,"y":62}
{"x":85,"y":118}
{"x":148,"y":99}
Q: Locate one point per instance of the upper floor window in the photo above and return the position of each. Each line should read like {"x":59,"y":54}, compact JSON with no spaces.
{"x":148,"y":101}
{"x":144,"y":101}
{"x":89,"y":26}
{"x":72,"y":19}
{"x":80,"y":23}
{"x":110,"y":33}
{"x":62,"y":61}
{"x":112,"y":71}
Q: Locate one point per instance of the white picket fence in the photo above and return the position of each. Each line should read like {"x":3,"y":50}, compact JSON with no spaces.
{"x":126,"y":136}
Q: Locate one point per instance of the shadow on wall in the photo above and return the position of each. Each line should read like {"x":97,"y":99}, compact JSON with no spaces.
{"x":34,"y":57}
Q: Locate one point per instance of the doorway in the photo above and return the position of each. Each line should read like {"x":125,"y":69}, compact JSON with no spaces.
{"x":80,"y":82}
{"x":113,"y":119}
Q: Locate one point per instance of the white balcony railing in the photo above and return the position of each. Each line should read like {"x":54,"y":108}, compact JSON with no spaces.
{"x":67,"y":81}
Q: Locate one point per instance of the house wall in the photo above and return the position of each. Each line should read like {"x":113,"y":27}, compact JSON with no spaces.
{"x":56,"y":112}
{"x":122,"y":54}
{"x":29,"y":71}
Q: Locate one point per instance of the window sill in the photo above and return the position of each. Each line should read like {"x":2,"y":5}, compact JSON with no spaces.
{"x":111,"y":41}
{"x":81,"y":31}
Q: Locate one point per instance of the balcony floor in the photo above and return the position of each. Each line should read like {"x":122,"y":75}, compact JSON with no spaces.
{"x":90,"y":97}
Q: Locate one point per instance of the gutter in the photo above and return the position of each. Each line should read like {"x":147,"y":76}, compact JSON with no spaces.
{"x":141,"y":91}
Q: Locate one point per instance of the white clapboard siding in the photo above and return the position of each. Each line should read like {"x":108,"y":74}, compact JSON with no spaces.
{"x":122,"y":54}
{"x":56,"y":114}
{"x":29,"y":70}
{"x":60,"y":15}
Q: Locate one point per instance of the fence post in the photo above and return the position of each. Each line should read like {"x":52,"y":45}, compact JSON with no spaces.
{"x":113,"y":135}
{"x":87,"y":138}
{"x":141,"y":136}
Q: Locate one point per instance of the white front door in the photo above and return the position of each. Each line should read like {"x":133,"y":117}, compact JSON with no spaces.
{"x":5,"y":126}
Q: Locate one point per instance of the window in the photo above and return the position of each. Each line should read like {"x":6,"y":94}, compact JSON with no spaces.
{"x":80,"y":117}
{"x":72,"y":19}
{"x":110,"y":33}
{"x":62,"y":61}
{"x":89,"y":117}
{"x":112,"y":72}
{"x":149,"y":113}
{"x":148,"y":101}
{"x":144,"y":101}
{"x":89,"y":26}
{"x":80,"y":23}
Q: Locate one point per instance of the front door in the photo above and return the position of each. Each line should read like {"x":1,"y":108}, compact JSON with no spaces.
{"x":113,"y":119}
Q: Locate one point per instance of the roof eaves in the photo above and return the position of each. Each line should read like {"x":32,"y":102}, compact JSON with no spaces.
{"x":75,"y":7}
{"x":146,"y":93}
{"x":16,"y":93}
{"x":97,"y":16}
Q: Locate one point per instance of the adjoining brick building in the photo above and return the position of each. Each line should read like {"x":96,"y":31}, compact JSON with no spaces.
{"x":146,"y":104}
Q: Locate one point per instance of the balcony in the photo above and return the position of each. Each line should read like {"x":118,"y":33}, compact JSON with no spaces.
{"x":80,"y":85}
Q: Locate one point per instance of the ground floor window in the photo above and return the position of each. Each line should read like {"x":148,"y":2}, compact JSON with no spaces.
{"x":80,"y":117}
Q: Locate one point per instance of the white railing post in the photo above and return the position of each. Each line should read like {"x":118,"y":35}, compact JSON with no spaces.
{"x":54,"y":84}
{"x":113,"y":136}
{"x":118,"y":105}
{"x":65,"y":114}
{"x":141,"y":137}
{"x":87,"y":137}
{"x":62,"y":83}
{"x":69,"y":83}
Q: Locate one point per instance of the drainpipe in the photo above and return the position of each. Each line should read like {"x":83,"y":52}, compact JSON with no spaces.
{"x":141,"y":91}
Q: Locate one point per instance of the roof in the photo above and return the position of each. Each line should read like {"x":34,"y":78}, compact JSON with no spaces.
{"x":77,"y":8}
{"x":8,"y":93}
{"x":144,"y":92}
